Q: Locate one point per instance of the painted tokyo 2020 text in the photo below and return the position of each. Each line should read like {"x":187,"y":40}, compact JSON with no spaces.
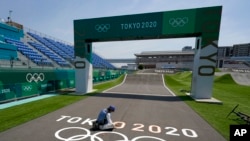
{"x":135,"y":127}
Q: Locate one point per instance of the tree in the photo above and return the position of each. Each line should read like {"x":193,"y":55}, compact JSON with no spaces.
{"x":140,"y":67}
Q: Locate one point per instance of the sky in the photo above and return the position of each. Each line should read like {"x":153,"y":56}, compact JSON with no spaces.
{"x":55,"y":18}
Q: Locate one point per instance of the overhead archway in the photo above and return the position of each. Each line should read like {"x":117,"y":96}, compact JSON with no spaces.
{"x":202,"y":23}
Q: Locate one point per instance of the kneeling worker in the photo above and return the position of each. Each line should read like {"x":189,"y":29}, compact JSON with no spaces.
{"x":104,"y":121}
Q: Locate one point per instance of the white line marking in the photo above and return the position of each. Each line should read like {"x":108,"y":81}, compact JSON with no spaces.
{"x":166,"y":86}
{"x":116,"y":85}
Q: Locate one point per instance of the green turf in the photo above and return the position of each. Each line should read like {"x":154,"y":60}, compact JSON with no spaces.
{"x":103,"y":86}
{"x":225,"y":90}
{"x":17,"y":115}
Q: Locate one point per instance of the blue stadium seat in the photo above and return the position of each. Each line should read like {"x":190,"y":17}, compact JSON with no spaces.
{"x":62,"y":51}
{"x":99,"y":62}
{"x":28,"y":52}
{"x":44,"y":49}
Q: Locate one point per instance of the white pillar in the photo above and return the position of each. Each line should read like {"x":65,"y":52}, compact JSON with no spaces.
{"x":203,"y":70}
{"x":83,"y":76}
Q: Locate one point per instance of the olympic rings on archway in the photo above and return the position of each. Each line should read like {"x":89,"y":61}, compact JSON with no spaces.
{"x":102,"y":27}
{"x":178,"y":22}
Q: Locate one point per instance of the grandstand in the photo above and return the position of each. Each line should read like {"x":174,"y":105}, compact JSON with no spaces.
{"x":229,"y":58}
{"x":234,"y":57}
{"x":35,"y":50}
{"x":38,"y":63}
{"x":166,"y":59}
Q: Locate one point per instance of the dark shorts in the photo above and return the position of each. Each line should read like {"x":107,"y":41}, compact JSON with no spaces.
{"x":102,"y":122}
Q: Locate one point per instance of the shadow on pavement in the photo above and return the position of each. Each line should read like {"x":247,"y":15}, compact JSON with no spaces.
{"x":144,"y":97}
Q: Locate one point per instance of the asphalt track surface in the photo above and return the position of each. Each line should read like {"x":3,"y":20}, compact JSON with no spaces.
{"x":145,"y":111}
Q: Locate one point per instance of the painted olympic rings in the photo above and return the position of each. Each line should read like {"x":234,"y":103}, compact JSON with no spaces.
{"x":147,"y":137}
{"x":73,"y":138}
{"x":102,"y":27}
{"x":84,"y":133}
{"x":93,"y":137}
{"x":178,"y":22}
{"x":34,"y":77}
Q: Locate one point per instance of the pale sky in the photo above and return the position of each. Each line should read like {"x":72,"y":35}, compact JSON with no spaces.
{"x":55,"y":18}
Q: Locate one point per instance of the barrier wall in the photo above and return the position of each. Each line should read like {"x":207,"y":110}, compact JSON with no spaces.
{"x":22,"y":83}
{"x":15,"y":84}
{"x":100,"y":75}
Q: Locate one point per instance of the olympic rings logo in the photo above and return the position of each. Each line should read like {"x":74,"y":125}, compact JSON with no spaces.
{"x":102,"y":27}
{"x":95,"y":136}
{"x":178,"y":22}
{"x":27,"y":88}
{"x":35,"y":77}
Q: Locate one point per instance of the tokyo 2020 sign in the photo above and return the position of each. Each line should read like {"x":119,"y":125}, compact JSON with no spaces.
{"x":202,"y":23}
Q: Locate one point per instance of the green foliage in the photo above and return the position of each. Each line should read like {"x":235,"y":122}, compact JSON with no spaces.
{"x":140,"y":67}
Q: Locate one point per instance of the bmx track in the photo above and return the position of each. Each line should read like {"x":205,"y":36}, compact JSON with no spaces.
{"x":239,"y":78}
{"x":145,"y":111}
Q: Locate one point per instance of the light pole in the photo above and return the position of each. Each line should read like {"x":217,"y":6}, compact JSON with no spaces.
{"x":9,"y":18}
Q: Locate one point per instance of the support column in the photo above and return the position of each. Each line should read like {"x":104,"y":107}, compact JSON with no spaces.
{"x":203,"y":70}
{"x":84,"y":70}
